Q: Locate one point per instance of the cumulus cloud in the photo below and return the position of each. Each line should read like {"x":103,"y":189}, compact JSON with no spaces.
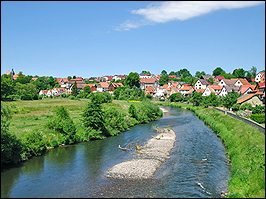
{"x":180,"y":10}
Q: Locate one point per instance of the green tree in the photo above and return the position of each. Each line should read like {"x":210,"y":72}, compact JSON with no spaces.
{"x":253,"y":71}
{"x":217,"y":71}
{"x":69,"y":78}
{"x":230,"y":99}
{"x":212,"y":100}
{"x":133,"y":111}
{"x":239,"y":73}
{"x":176,"y":97}
{"x":87,"y":89}
{"x":11,"y":146}
{"x":196,"y":98}
{"x":163,"y":80}
{"x":74,"y":90}
{"x":51,"y":82}
{"x":74,"y":77}
{"x":164,"y":73}
{"x":93,"y":119}
{"x":210,"y":80}
{"x":184,"y":73}
{"x":133,"y":80}
{"x":199,"y":74}
{"x":146,"y":72}
{"x":7,"y":86}
{"x":63,"y":124}
{"x":26,"y":91}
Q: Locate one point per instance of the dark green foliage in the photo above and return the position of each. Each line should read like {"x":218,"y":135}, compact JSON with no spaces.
{"x":34,"y":143}
{"x":74,"y":90}
{"x":115,"y":121}
{"x":26,"y":91}
{"x":258,"y":109}
{"x":148,"y":111}
{"x":246,"y":106}
{"x":196,"y":98}
{"x":11,"y":147}
{"x":211,"y":100}
{"x":217,"y":71}
{"x":87,"y":89}
{"x":236,"y":107}
{"x":176,"y":97}
{"x":101,"y":97}
{"x":117,"y":92}
{"x":164,"y":79}
{"x":133,"y":111}
{"x":93,"y":118}
{"x":63,"y":124}
{"x":7,"y":86}
{"x":230,"y":99}
{"x":259,"y":118}
{"x":148,"y":96}
{"x":133,"y":80}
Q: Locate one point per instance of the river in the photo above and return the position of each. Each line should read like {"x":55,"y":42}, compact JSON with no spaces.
{"x":197,"y":167}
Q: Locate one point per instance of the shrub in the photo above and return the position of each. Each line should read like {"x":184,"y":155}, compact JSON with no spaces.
{"x":176,"y":97}
{"x":33,"y":143}
{"x":63,"y":124}
{"x":246,"y":106}
{"x":72,"y":97}
{"x":236,"y":107}
{"x":259,"y":118}
{"x":258,"y":109}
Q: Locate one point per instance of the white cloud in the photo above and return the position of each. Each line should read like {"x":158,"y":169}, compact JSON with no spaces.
{"x":180,"y":10}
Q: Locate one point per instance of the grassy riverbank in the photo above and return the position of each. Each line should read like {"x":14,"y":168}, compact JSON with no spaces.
{"x":245,"y":147}
{"x":30,"y":119}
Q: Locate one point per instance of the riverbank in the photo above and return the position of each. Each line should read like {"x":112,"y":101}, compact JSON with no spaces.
{"x":245,"y":148}
{"x":148,"y":159}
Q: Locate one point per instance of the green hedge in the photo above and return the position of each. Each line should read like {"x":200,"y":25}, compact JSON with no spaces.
{"x":259,"y":118}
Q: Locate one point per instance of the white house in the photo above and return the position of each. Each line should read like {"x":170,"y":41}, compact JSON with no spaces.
{"x":161,"y":91}
{"x":103,"y":87}
{"x":201,"y":84}
{"x":144,"y":82}
{"x":258,"y":76}
{"x":216,"y":89}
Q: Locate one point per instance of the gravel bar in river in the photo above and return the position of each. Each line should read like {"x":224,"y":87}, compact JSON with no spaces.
{"x":148,"y":159}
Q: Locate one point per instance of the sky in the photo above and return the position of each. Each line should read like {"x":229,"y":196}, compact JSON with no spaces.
{"x":97,"y":38}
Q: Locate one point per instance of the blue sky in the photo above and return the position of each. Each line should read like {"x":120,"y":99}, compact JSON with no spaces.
{"x":95,"y":38}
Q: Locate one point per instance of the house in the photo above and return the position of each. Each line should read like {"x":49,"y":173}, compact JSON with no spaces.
{"x":259,"y":76}
{"x":58,"y":91}
{"x":70,"y":83}
{"x":106,"y":78}
{"x":150,"y":90}
{"x":227,"y":82}
{"x":216,"y":89}
{"x":103,"y":87}
{"x":244,"y":89}
{"x":201,"y":84}
{"x":240,"y":82}
{"x":142,"y":75}
{"x":144,"y":82}
{"x":33,"y":79}
{"x":161,"y":92}
{"x":114,"y":86}
{"x":251,"y":98}
{"x":43,"y":92}
{"x":119,"y":77}
{"x":62,"y":81}
{"x":186,"y":90}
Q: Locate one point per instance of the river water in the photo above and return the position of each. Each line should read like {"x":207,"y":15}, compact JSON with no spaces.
{"x":197,"y":167}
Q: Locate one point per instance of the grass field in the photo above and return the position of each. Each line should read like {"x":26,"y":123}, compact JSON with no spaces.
{"x":29,"y":115}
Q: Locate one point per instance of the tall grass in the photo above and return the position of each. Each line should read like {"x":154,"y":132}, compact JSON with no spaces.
{"x":245,"y":147}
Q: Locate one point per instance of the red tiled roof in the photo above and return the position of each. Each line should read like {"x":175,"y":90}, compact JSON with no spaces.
{"x":147,"y":80}
{"x":104,"y":84}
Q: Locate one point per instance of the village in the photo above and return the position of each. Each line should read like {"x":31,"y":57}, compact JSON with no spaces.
{"x":250,"y":93}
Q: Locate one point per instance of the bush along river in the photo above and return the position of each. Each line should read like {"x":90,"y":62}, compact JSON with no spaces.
{"x":197,"y":166}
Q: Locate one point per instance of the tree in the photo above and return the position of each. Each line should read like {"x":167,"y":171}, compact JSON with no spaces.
{"x":51,"y":82}
{"x":69,"y":78}
{"x":11,"y":147}
{"x":253,"y":71}
{"x":239,"y":73}
{"x":133,"y":80}
{"x":26,"y":91}
{"x":196,"y":98}
{"x":93,"y":119}
{"x":74,"y":90}
{"x":230,"y":99}
{"x":164,"y":72}
{"x":7,"y":86}
{"x":146,"y":72}
{"x":176,"y":97}
{"x":74,"y":77}
{"x":217,"y":71}
{"x":133,"y":111}
{"x":210,"y":80}
{"x":184,"y":73}
{"x":199,"y":74}
{"x":163,"y":80}
{"x":63,"y":124}
{"x":87,"y":89}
